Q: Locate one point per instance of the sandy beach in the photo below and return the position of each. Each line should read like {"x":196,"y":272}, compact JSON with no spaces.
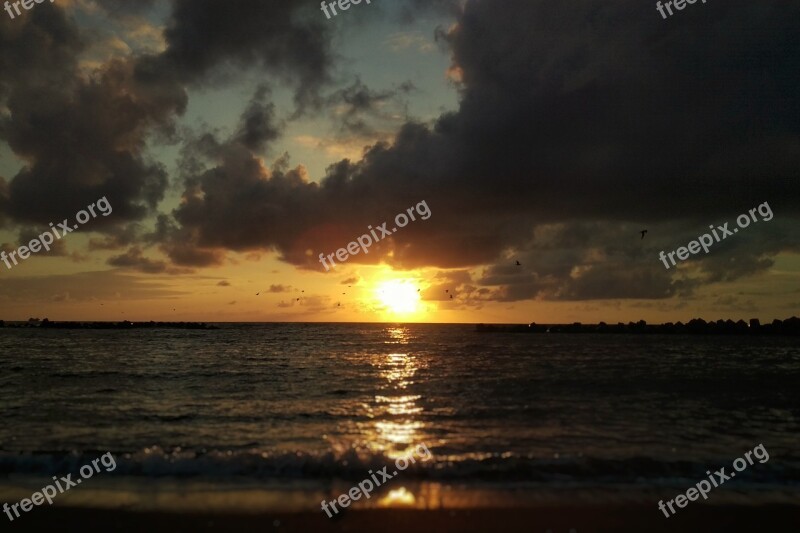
{"x":556,"y":519}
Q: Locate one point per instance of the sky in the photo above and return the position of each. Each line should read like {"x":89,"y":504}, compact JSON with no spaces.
{"x":237,"y":140}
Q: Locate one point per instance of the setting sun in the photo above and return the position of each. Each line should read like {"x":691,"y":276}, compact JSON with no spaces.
{"x":399,"y":297}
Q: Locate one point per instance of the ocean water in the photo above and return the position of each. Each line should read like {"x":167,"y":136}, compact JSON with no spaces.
{"x":277,"y":414}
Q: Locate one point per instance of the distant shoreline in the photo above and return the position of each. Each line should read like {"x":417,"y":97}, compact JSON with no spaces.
{"x":696,"y":326}
{"x":125,"y":324}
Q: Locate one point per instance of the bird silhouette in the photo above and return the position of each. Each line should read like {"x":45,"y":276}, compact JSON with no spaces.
{"x":451,"y":296}
{"x":519,"y":264}
{"x":447,"y":290}
{"x":643,"y":232}
{"x":258,"y":293}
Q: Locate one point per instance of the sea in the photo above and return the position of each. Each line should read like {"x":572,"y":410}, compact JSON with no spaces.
{"x":280,"y":416}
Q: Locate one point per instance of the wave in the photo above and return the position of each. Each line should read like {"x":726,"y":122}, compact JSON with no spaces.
{"x":352,"y":465}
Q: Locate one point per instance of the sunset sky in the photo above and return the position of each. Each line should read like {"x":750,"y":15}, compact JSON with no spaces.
{"x":237,"y":140}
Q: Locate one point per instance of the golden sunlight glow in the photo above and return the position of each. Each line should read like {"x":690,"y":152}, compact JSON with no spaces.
{"x":396,"y":497}
{"x":399,"y":297}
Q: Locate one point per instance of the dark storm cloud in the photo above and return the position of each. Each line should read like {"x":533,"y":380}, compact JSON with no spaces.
{"x":445,"y":284}
{"x":84,"y":141}
{"x":134,"y":259}
{"x":3,"y":201}
{"x":564,"y":118}
{"x":258,"y":124}
{"x":282,"y":37}
{"x":83,"y":138}
{"x":583,"y":261}
{"x":227,"y":178}
{"x":595,"y":118}
{"x":181,"y":244}
{"x":117,"y":237}
{"x":39,"y":49}
{"x":57,"y":248}
{"x":80,"y":138}
{"x":413,"y":8}
{"x":356,"y":106}
{"x":125,"y":6}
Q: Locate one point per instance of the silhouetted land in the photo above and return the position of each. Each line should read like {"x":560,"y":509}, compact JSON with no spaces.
{"x":125,"y":324}
{"x":696,"y":326}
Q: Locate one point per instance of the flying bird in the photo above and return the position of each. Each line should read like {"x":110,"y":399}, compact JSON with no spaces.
{"x":519,"y":264}
{"x":643,"y":232}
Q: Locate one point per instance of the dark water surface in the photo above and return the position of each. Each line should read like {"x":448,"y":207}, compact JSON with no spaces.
{"x":254,"y":405}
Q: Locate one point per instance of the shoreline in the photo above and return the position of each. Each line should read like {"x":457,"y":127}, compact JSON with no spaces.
{"x":557,"y":519}
{"x":696,"y":326}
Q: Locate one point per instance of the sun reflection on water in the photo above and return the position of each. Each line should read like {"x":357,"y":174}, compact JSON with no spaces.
{"x":397,"y":428}
{"x":397,"y":497}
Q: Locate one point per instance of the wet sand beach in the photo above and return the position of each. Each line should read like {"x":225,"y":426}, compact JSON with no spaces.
{"x":556,"y":519}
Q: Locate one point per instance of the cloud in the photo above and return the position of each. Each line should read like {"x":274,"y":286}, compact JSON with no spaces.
{"x":445,"y":284}
{"x":279,"y":288}
{"x":57,"y":248}
{"x":732,"y":303}
{"x":285,"y":38}
{"x":258,"y":123}
{"x":86,"y":286}
{"x":570,"y":136}
{"x":83,"y":135}
{"x":134,"y":259}
{"x":117,"y":237}
{"x":559,"y":122}
{"x":80,"y":138}
{"x":125,"y":6}
{"x":356,"y":107}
